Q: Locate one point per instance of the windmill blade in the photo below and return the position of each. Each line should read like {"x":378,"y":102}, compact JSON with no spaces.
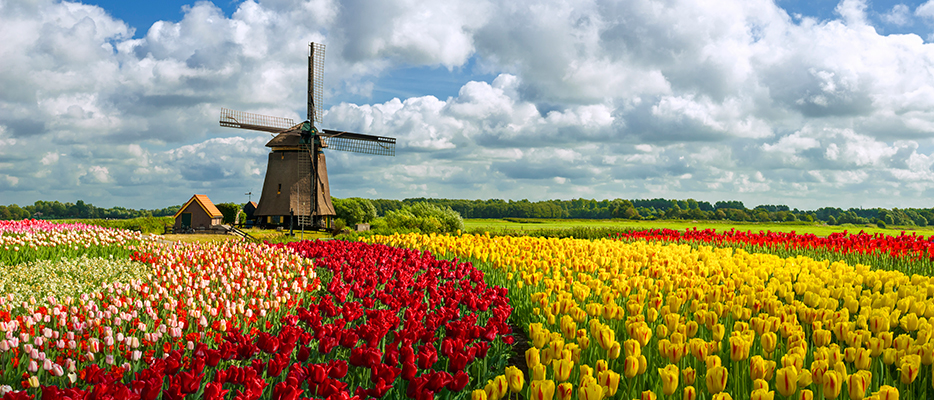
{"x":315,"y":81}
{"x":256,"y":122}
{"x":359,"y":143}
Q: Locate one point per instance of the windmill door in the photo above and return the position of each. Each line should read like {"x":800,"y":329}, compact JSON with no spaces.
{"x":186,"y":220}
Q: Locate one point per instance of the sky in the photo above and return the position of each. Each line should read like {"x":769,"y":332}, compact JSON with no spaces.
{"x":802,"y":103}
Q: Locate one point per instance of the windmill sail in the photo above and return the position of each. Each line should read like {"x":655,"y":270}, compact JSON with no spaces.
{"x":315,"y":81}
{"x":359,"y":143}
{"x":256,"y":122}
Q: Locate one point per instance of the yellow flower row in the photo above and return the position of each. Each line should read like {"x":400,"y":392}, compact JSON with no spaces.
{"x":794,"y":325}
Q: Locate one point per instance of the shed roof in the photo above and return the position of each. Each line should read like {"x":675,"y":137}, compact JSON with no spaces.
{"x":205,"y":204}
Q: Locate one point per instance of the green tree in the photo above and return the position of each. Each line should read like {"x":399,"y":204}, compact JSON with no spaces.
{"x":229,"y":210}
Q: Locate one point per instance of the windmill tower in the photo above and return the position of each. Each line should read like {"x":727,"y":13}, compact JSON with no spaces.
{"x":296,"y":188}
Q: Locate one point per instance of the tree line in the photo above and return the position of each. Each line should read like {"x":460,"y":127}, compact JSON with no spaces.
{"x":77,"y":210}
{"x":636,"y":209}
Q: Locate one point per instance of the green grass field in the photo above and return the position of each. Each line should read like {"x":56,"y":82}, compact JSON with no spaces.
{"x":531,"y":225}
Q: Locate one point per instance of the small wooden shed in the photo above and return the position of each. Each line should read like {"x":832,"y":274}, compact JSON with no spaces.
{"x":198,"y":213}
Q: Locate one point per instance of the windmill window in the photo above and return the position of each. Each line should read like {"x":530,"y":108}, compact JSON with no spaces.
{"x":279,"y":191}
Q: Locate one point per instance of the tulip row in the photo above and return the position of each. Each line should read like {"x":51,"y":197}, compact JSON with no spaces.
{"x":68,"y":277}
{"x":250,"y":321}
{"x":30,"y":240}
{"x":608,"y":317}
{"x":189,"y":294}
{"x":907,"y":253}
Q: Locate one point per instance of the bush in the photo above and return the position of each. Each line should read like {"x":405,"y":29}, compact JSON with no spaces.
{"x":229,"y":210}
{"x":354,"y":210}
{"x":421,"y":217}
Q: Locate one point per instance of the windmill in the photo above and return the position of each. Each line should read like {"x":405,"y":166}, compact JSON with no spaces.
{"x":296,"y":186}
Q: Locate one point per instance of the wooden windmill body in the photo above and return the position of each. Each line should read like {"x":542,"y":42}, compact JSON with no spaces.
{"x":296,"y":190}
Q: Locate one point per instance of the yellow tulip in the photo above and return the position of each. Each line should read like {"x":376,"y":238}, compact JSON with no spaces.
{"x":821,"y":337}
{"x":769,"y":340}
{"x":632,"y":347}
{"x":805,"y":395}
{"x":613,"y":351}
{"x":887,"y":392}
{"x":760,"y":384}
{"x":689,"y":375}
{"x":786,"y":380}
{"x":762,"y":394}
{"x":643,"y":334}
{"x":889,"y":356}
{"x":542,"y":390}
{"x":565,"y":391}
{"x":719,"y":330}
{"x":804,"y":378}
{"x":716,"y":379}
{"x":833,"y":384}
{"x":669,"y":376}
{"x":630,"y":367}
{"x":863,"y":359}
{"x":643,"y":364}
{"x":538,"y":372}
{"x":478,"y":394}
{"x":856,"y":385}
{"x":648,"y":395}
{"x":902,"y":342}
{"x":713,"y":361}
{"x":699,"y":349}
{"x":689,"y":393}
{"x":910,"y":366}
{"x":516,"y":379}
{"x":605,"y":338}
{"x":875,"y":346}
{"x":562,"y":369}
{"x":585,"y":372}
{"x":500,"y":387}
{"x":532,"y":357}
{"x":610,"y":381}
{"x":590,"y":390}
{"x":601,"y":366}
{"x":722,"y":396}
{"x":661,"y":331}
{"x":739,"y":349}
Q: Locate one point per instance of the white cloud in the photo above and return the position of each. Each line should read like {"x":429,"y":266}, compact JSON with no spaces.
{"x":899,"y":15}
{"x":598,"y":98}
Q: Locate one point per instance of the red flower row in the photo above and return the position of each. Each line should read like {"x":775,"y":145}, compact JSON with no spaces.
{"x":903,"y":246}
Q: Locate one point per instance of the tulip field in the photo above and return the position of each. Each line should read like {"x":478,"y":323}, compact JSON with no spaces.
{"x":637,"y":318}
{"x":95,"y":313}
